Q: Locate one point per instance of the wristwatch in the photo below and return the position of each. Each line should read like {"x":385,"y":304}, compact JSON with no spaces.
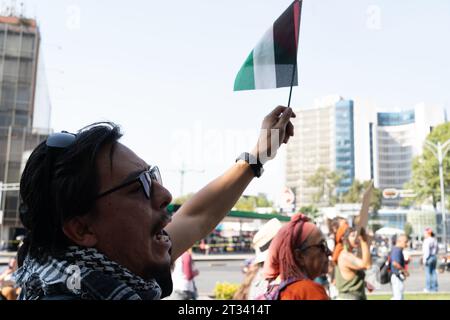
{"x":254,"y":163}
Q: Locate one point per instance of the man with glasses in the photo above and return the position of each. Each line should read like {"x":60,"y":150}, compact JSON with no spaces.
{"x":97,"y":220}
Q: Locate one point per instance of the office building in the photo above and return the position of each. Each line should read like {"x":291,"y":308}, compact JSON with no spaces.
{"x":24,"y":109}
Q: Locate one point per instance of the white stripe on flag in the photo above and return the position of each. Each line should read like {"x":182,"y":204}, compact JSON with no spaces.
{"x":264,"y":62}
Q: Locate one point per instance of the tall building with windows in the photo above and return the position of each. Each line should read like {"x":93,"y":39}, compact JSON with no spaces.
{"x":360,"y":140}
{"x":324,"y":138}
{"x":397,"y":137}
{"x":345,"y":143}
{"x":24,"y":109}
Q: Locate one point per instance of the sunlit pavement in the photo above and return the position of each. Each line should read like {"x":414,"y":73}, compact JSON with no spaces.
{"x":214,"y":271}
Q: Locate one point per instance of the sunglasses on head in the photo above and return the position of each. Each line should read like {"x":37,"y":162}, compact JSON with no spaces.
{"x":61,"y":140}
{"x":144,"y":178}
{"x":64,"y":139}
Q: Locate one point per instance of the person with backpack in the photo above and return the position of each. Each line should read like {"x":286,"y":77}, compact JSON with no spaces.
{"x":297,"y":255}
{"x":398,"y":267}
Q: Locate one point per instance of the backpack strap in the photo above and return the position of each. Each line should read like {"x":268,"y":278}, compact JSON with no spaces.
{"x":274,"y":291}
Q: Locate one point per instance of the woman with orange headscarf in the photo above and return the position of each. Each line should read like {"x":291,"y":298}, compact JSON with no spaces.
{"x":297,"y":255}
{"x":350,"y":270}
{"x":343,"y":226}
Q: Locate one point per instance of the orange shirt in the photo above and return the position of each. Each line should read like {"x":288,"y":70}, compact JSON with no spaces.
{"x":304,"y":290}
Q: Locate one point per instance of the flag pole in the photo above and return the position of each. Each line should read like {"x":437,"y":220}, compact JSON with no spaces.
{"x":296,"y":57}
{"x":292,"y":81}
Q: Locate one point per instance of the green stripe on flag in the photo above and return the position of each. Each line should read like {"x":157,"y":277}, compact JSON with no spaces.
{"x":245,"y":79}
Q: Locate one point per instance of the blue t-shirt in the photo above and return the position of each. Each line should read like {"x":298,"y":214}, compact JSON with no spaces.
{"x":397,"y":256}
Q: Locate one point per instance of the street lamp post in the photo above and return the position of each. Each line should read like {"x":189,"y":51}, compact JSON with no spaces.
{"x":182,"y":173}
{"x":439,"y":151}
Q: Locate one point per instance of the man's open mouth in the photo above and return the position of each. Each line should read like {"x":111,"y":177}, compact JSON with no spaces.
{"x":162,"y":236}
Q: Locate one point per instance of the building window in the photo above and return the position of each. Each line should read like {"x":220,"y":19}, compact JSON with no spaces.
{"x":21,"y":119}
{"x":13,"y":43}
{"x":23,"y":94}
{"x":5,"y":119}
{"x":25,"y":70}
{"x":28,"y":43}
{"x":11,"y":68}
{"x":2,"y":40}
{"x":8,"y":93}
{"x":395,"y":118}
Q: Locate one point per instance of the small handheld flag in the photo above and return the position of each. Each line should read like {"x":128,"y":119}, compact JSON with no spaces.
{"x":273,"y":62}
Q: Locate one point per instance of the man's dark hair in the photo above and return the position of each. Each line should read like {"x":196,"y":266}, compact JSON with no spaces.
{"x":394,"y":239}
{"x":59,"y":184}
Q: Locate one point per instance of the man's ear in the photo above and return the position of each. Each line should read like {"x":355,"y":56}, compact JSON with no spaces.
{"x":79,"y":231}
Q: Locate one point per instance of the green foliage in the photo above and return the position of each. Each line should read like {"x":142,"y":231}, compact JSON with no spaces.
{"x":375,"y":227}
{"x":356,"y":192}
{"x":377,"y":196}
{"x":245,"y":204}
{"x":225,"y":290}
{"x":262,"y":201}
{"x":412,"y":296}
{"x":425,"y":170}
{"x":310,"y":211}
{"x":250,"y":203}
{"x":408,"y":228}
{"x":326,"y":182}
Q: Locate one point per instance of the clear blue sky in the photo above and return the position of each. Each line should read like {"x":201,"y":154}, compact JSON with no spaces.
{"x":161,"y":68}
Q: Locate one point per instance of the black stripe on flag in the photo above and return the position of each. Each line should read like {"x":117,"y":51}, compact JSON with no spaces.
{"x":285,"y":48}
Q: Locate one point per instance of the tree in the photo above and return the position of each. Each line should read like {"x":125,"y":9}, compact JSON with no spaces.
{"x":356,"y":192}
{"x":375,"y":200}
{"x":408,"y":228}
{"x":262,"y":201}
{"x":425,"y":170}
{"x":375,"y":227}
{"x":311,"y":211}
{"x":326,"y":182}
{"x":246,"y":203}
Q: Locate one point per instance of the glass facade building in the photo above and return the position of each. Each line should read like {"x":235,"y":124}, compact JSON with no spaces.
{"x":396,"y":118}
{"x":345,"y":143}
{"x":19,"y":61}
{"x":395,"y":133}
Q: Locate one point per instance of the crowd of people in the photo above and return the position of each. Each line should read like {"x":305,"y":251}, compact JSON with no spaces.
{"x":216,"y":243}
{"x":303,"y":264}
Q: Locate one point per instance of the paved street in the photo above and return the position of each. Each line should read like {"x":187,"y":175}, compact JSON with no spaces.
{"x":212,"y":272}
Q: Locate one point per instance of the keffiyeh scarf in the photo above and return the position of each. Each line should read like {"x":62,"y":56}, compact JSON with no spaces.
{"x":83,"y":273}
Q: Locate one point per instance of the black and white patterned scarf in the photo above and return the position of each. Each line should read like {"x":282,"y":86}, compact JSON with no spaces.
{"x":83,"y":273}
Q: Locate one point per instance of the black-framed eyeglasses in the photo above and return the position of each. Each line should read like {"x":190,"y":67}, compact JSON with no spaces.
{"x":323,"y":246}
{"x":144,"y":178}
